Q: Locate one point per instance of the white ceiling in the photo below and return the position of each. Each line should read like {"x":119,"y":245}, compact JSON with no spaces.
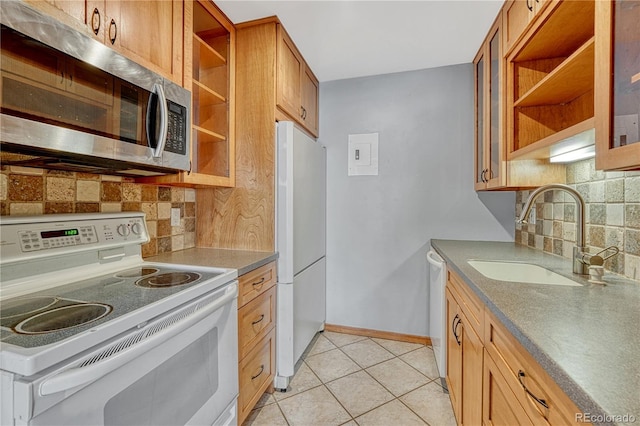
{"x":343,"y":39}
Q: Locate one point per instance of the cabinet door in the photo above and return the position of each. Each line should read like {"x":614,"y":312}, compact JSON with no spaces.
{"x":479,"y":72}
{"x":73,"y":8}
{"x":290,"y":68}
{"x":517,"y":15}
{"x":310,"y":101}
{"x":500,"y":406}
{"x":149,"y":32}
{"x":472,"y":355}
{"x":617,"y":89}
{"x":494,"y":114}
{"x":454,"y":355}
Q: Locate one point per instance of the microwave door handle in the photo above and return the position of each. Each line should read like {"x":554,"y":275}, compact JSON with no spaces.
{"x":161,"y":102}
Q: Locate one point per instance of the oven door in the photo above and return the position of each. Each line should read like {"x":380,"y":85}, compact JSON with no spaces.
{"x":179,"y":369}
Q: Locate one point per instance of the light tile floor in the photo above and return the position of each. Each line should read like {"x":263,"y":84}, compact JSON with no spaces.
{"x":355,"y":380}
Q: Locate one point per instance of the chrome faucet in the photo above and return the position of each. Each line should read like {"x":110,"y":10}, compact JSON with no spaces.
{"x":580,"y":264}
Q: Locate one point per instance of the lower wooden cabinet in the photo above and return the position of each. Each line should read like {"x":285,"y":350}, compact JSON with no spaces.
{"x":464,"y":364}
{"x":256,"y":336}
{"x":492,"y":379}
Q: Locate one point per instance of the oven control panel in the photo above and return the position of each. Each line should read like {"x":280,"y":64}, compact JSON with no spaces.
{"x":28,"y":236}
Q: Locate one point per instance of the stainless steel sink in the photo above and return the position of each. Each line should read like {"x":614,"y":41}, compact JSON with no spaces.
{"x":516,"y":272}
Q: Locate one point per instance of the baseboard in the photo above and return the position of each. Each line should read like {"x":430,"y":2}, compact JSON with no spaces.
{"x":410,"y":338}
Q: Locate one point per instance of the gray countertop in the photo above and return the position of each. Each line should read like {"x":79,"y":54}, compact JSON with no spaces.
{"x":587,"y":338}
{"x":242,"y":260}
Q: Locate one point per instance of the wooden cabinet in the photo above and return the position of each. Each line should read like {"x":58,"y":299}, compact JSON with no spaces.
{"x":550,"y":82}
{"x":464,"y":359}
{"x":244,"y":217}
{"x":256,"y":336}
{"x":617,"y":90}
{"x":492,"y":168}
{"x":210,"y":53}
{"x":538,"y":395}
{"x":492,"y":379}
{"x":147,"y":32}
{"x":297,"y":86}
{"x":517,"y":14}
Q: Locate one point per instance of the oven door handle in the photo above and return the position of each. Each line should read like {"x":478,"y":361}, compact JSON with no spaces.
{"x":83,"y":375}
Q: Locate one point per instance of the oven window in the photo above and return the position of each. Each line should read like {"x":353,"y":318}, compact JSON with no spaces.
{"x":42,"y":84}
{"x":173,"y":392}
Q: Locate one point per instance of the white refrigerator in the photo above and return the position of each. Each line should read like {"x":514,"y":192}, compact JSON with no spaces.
{"x":301,"y":165}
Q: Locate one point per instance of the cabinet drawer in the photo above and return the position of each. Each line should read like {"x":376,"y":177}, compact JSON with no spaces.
{"x":531,"y":385}
{"x":256,"y":373}
{"x":255,"y":320}
{"x":254,"y":283}
{"x":472,"y":307}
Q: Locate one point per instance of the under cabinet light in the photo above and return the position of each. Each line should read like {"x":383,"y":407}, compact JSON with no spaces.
{"x":575,"y":155}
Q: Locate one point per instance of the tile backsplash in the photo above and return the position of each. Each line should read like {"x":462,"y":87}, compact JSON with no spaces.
{"x":612,"y":216}
{"x":31,"y":191}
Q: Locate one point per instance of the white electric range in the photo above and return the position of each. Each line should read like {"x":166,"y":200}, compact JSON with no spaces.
{"x":90,"y":333}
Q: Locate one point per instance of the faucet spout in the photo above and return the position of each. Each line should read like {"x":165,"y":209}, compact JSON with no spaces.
{"x":579,"y":266}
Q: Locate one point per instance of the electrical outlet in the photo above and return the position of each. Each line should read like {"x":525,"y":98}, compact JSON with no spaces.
{"x":175,"y":217}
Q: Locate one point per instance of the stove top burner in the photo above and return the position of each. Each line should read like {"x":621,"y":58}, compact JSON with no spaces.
{"x":168,"y":279}
{"x":25,"y":306}
{"x":136,"y":272}
{"x":62,"y":318}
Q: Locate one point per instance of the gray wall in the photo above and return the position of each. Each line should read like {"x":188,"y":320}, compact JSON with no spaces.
{"x":379,"y":227}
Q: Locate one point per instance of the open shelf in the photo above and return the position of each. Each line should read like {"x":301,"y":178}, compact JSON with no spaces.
{"x":542,"y":148}
{"x":209,"y":58}
{"x":569,"y":80}
{"x":566,"y":29}
{"x":207,"y":136}
{"x":204,"y":96}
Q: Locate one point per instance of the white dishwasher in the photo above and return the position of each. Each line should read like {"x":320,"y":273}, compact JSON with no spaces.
{"x":437,"y":311}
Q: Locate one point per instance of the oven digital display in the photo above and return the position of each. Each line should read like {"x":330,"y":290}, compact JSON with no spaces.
{"x":60,"y":233}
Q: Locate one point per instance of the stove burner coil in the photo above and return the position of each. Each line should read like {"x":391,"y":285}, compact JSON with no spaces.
{"x":168,"y":279}
{"x":62,"y":318}
{"x":25,"y":305}
{"x":136,"y":272}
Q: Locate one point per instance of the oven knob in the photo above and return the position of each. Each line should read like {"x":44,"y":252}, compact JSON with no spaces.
{"x":136,"y":228}
{"x":123,"y":230}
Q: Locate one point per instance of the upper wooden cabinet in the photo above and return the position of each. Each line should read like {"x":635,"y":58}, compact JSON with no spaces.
{"x":550,"y":81}
{"x":297,"y":86}
{"x":148,"y":32}
{"x":210,"y":53}
{"x":492,"y":168}
{"x":617,"y":90}
{"x":517,"y":14}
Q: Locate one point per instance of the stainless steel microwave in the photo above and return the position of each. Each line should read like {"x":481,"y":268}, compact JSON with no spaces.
{"x":69,"y":102}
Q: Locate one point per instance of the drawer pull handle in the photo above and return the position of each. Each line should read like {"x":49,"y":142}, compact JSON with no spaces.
{"x":258,"y":284}
{"x":95,"y":21}
{"x":112,"y":38}
{"x":258,"y":320}
{"x":258,"y":375}
{"x":454,"y":328}
{"x":538,"y":400}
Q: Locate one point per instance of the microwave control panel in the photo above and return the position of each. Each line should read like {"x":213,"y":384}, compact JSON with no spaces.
{"x":177,"y":131}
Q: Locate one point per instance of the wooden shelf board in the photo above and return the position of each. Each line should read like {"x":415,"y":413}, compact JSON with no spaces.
{"x":569,"y":24}
{"x":207,"y":136}
{"x":572,"y":78}
{"x":635,"y":78}
{"x":209,"y":58}
{"x":204,"y":96}
{"x":542,"y":148}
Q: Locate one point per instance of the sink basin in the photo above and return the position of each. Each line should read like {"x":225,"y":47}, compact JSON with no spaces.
{"x":516,"y":272}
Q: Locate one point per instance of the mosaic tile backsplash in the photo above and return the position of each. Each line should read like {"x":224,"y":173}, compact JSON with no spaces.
{"x":30,"y":191}
{"x":612,"y":217}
